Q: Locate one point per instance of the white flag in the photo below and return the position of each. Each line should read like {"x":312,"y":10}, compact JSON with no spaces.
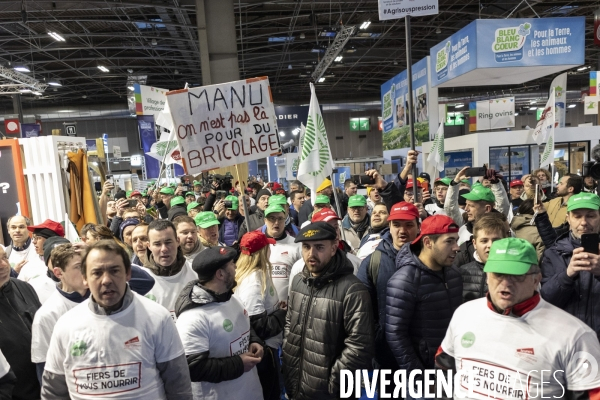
{"x":560,"y":92}
{"x":546,"y":124}
{"x":436,"y":154}
{"x":166,"y":149}
{"x":315,"y":158}
{"x":70,"y":232}
{"x":548,"y":154}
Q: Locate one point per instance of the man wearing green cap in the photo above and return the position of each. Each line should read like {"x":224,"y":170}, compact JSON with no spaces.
{"x":571,"y":275}
{"x":190,"y":197}
{"x":230,"y":220}
{"x":284,"y":253}
{"x":208,"y":229}
{"x":280,"y":199}
{"x":440,"y":189}
{"x":177,"y":208}
{"x":514,"y":343}
{"x":193,"y":209}
{"x":356,"y":223}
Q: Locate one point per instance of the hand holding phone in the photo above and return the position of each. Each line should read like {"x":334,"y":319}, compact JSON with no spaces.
{"x":590,"y":242}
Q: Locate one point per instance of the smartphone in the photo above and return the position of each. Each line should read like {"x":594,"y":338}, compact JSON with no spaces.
{"x":228,"y":204}
{"x":478,"y":171}
{"x":221,"y":194}
{"x":132,"y":203}
{"x":362,"y":179}
{"x":110,"y":178}
{"x":590,"y":242}
{"x":537,"y":190}
{"x":186,"y":188}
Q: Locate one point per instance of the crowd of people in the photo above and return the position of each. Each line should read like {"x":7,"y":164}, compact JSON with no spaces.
{"x":266,"y":293}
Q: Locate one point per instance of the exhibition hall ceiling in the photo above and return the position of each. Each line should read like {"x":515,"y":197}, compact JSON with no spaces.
{"x":156,"y":41}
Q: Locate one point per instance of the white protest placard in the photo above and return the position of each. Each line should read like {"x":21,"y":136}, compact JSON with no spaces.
{"x":225,"y":124}
{"x":394,"y":9}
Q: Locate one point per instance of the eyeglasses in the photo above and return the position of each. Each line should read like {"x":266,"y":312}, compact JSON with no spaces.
{"x":512,"y":278}
{"x":275,"y":219}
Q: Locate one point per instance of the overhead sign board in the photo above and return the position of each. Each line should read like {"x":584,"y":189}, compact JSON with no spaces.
{"x":508,"y":51}
{"x":492,"y":114}
{"x":394,"y":9}
{"x":71,"y":130}
{"x":360,"y":124}
{"x":149,"y":100}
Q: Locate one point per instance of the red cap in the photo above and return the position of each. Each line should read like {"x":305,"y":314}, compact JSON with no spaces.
{"x":254,"y":241}
{"x":409,"y":184}
{"x":135,"y":193}
{"x":54,"y":226}
{"x":516,"y":182}
{"x":436,"y":225}
{"x":403,"y":211}
{"x":326,"y":215}
{"x":276,"y":186}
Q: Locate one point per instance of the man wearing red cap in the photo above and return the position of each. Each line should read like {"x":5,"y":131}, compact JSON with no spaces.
{"x":423,"y":294}
{"x":377,"y":268}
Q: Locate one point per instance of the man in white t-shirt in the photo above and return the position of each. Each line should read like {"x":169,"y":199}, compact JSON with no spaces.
{"x":284,"y":253}
{"x":220,"y":345}
{"x":21,"y":249}
{"x":167,"y":264}
{"x":515,"y":345}
{"x":115,"y":344}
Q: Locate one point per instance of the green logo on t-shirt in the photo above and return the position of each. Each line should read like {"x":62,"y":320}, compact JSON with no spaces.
{"x":468,"y":340}
{"x":227,"y":325}
{"x":271,"y":291}
{"x":78,"y":348}
{"x":151,"y":296}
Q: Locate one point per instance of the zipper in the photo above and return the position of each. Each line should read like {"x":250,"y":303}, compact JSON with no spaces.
{"x":304,"y":324}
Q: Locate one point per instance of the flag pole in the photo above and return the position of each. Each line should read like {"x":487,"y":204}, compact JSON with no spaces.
{"x":337,"y":201}
{"x":411,"y":116}
{"x":237,"y":171}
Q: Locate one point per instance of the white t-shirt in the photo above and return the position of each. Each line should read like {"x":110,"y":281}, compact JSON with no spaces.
{"x":433,"y":209}
{"x":166,"y":289}
{"x":507,"y":354}
{"x":283,"y":256}
{"x":33,"y":268}
{"x":35,"y":272}
{"x":222,"y":329}
{"x":44,"y":322}
{"x":28,"y":254}
{"x":4,"y":365}
{"x":248,"y":292}
{"x":114,"y":356}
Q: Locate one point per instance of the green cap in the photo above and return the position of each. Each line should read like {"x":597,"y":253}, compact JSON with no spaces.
{"x":278,"y":199}
{"x":235,"y":203}
{"x":321,"y":199}
{"x":511,"y":256}
{"x":197,"y":183}
{"x":357,"y":201}
{"x":173,"y":185}
{"x":477,"y":184}
{"x":442,"y":181}
{"x":128,"y":193}
{"x":144,"y":193}
{"x":274,"y":208}
{"x":466,"y":181}
{"x":177,"y":200}
{"x":480,"y":193}
{"x":583,"y":200}
{"x":192,"y":205}
{"x":167,"y":190}
{"x":206,"y":219}
{"x":190,"y":194}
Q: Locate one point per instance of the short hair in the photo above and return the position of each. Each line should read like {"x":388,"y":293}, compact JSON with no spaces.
{"x":295,"y":193}
{"x":27,"y":220}
{"x":183,"y":219}
{"x":491,"y":222}
{"x":526,"y":207}
{"x":545,"y":171}
{"x":102,"y":232}
{"x":84,"y":229}
{"x":576,"y":182}
{"x":131,"y":210}
{"x":297,"y":183}
{"x":348,"y":182}
{"x":61,"y":255}
{"x":161,"y":225}
{"x":109,"y":246}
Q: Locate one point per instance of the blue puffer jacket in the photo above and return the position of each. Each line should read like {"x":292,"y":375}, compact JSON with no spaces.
{"x":419,"y":307}
{"x":387,"y":268}
{"x":577,"y":296}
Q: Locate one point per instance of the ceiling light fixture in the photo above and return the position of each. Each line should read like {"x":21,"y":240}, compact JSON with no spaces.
{"x":302,"y":36}
{"x":338,"y":58}
{"x":533,"y":102}
{"x":572,"y":105}
{"x":21,"y":68}
{"x":516,"y":114}
{"x":321,"y":80}
{"x":296,"y":131}
{"x":153,"y":42}
{"x":102,"y":68}
{"x":176,"y":72}
{"x":25,"y":90}
{"x":533,"y":108}
{"x":130,"y":88}
{"x":438,"y":31}
{"x":37,"y":93}
{"x":583,"y":68}
{"x":54,"y":82}
{"x":56,"y":36}
{"x":459,"y":105}
{"x":281,"y":133}
{"x":365,"y":25}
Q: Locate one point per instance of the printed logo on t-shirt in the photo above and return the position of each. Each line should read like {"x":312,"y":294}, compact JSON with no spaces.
{"x":108,"y":379}
{"x":467,"y":340}
{"x":227,"y":325}
{"x":526,"y":354}
{"x":271,"y":291}
{"x":133,"y":343}
{"x":78,"y":348}
{"x":279,"y":271}
{"x":151,"y":297}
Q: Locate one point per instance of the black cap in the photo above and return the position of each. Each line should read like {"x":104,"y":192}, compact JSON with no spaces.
{"x":211,"y":260}
{"x":261,"y":193}
{"x":50,"y":244}
{"x":316,"y":231}
{"x":425,"y":175}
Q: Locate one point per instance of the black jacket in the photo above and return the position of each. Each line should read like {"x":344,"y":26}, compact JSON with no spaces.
{"x":578,"y":295}
{"x":18,"y":305}
{"x":203,"y":368}
{"x":328,"y":327}
{"x":474,"y":281}
{"x":255,"y":221}
{"x":176,"y":211}
{"x":419,"y":307}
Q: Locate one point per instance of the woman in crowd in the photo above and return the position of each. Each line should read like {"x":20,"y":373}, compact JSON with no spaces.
{"x":267,"y":314}
{"x":101,"y":232}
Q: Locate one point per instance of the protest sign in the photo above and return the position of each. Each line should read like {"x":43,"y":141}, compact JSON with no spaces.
{"x":225,"y":124}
